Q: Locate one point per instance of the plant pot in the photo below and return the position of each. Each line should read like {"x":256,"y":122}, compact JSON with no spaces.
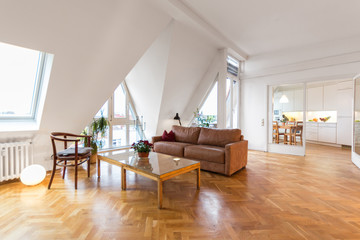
{"x":283,"y":123}
{"x":143,"y":154}
{"x":93,"y":158}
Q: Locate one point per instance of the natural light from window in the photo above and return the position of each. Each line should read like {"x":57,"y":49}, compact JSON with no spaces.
{"x":20,"y":81}
{"x":209,"y":108}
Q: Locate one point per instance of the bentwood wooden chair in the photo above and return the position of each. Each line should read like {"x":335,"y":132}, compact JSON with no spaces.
{"x":74,"y":155}
{"x":276,"y":132}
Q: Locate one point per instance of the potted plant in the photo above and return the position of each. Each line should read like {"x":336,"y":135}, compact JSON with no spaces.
{"x":202,"y":120}
{"x":284,"y":119}
{"x":142,"y":147}
{"x":98,"y":131}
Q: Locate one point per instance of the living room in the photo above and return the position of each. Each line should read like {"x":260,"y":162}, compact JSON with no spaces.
{"x":166,"y":57}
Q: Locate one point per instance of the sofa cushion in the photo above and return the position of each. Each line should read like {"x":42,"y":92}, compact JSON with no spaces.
{"x":186,"y":134}
{"x":171,"y":148}
{"x":205,"y":153}
{"x":218,"y":137}
{"x":168,"y":137}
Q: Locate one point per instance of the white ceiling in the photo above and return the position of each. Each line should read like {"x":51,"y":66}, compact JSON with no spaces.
{"x":260,"y":26}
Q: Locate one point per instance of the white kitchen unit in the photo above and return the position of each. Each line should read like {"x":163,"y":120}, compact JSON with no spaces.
{"x":312,"y":131}
{"x":344,"y":131}
{"x":327,"y":132}
{"x":315,"y":98}
{"x":344,"y":102}
{"x":330,"y":99}
{"x":321,"y":132}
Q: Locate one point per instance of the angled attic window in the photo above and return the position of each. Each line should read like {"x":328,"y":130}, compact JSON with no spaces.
{"x":21,"y":77}
{"x":232,"y":66}
{"x":209,"y":107}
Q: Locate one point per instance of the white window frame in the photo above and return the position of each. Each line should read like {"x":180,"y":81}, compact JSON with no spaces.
{"x":36,"y":93}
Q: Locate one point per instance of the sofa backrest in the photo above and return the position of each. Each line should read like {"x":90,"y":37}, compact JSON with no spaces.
{"x":218,"y":137}
{"x":186,"y":134}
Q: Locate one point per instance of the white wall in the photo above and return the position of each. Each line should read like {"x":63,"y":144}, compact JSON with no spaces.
{"x":146,"y":81}
{"x":295,"y":66}
{"x":168,"y":76}
{"x":190,"y":55}
{"x":95,"y":46}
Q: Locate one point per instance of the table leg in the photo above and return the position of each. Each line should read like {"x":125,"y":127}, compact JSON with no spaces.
{"x":98,"y":167}
{"x":160,"y":193}
{"x":198,"y":178}
{"x":123,"y":178}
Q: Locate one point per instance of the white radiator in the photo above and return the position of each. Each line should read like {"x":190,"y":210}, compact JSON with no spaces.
{"x":14,"y":157}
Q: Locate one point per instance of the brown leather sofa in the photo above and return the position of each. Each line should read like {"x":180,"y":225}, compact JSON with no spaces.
{"x":218,"y":150}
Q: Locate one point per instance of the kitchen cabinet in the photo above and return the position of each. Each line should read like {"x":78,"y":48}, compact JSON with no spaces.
{"x":344,"y":131}
{"x":330,"y":97}
{"x":315,"y":98}
{"x":344,"y":102}
{"x":299,"y":100}
{"x":312,"y":131}
{"x":327,"y":132}
{"x":321,"y":132}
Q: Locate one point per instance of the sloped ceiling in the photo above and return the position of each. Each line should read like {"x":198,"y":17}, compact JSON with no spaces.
{"x":166,"y":77}
{"x":95,"y":46}
{"x":147,"y":79}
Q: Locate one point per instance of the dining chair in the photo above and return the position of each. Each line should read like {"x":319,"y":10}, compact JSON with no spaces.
{"x":74,"y":155}
{"x":299,"y":131}
{"x":289,"y":132}
{"x":276,"y":132}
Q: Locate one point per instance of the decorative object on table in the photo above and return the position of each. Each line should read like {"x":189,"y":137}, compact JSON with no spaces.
{"x":177,"y":117}
{"x":325,"y":119}
{"x":202,"y":120}
{"x":284,"y":119}
{"x":98,"y":129}
{"x":168,"y":136}
{"x":143,"y":148}
{"x":33,"y":175}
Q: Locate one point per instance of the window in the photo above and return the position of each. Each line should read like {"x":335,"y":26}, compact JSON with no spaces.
{"x":233,"y":66}
{"x":125,"y":127}
{"x":209,"y":108}
{"x":20,"y":78}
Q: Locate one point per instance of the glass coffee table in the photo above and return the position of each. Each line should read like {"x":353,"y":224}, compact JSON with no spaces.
{"x":157,"y":166}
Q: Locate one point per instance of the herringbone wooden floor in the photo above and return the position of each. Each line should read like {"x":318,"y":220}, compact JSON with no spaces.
{"x":275,"y":197}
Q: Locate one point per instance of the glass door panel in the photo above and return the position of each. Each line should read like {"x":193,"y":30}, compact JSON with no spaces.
{"x":287,"y":119}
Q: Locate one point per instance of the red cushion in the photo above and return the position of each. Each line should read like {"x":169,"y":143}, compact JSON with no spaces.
{"x":168,"y":137}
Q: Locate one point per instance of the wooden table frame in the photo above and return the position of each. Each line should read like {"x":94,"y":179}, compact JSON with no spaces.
{"x":159,"y":178}
{"x":286,"y":127}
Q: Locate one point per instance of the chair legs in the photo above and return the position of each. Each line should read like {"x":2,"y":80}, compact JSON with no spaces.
{"x":64,"y":169}
{"x":52,"y":174}
{"x":88,"y":167}
{"x":76,"y":173}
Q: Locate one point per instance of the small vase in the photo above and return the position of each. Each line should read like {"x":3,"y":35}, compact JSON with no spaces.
{"x":143,"y":154}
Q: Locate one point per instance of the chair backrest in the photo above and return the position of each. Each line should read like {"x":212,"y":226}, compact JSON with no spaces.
{"x":63,"y":137}
{"x":275,"y":125}
{"x":299,"y":126}
{"x":290,"y":123}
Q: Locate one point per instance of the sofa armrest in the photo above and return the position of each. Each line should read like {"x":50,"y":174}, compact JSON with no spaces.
{"x":236,"y":155}
{"x":156,"y":139}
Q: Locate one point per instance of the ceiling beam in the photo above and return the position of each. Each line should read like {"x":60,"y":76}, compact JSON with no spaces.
{"x":195,"y":17}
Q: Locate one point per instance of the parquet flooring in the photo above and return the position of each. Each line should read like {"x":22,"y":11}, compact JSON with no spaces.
{"x":275,"y":197}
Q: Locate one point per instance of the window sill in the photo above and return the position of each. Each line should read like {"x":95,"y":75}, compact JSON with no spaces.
{"x":18,"y":126}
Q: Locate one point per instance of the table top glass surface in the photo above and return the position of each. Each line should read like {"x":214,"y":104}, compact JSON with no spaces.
{"x":156,"y":163}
